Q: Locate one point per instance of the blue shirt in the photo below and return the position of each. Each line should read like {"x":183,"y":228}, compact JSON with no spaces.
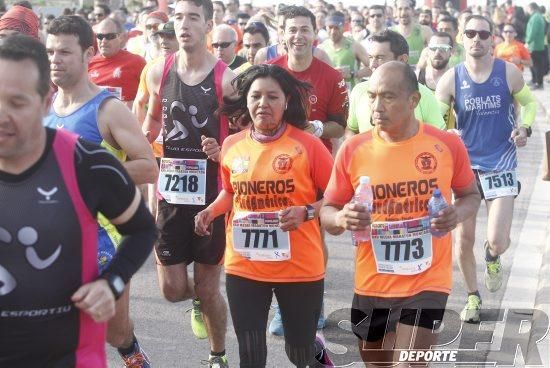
{"x":486,"y":117}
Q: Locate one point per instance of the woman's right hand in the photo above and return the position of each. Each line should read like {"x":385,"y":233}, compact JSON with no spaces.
{"x":202,"y":222}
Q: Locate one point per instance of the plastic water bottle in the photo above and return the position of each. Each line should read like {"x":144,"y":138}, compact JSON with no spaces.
{"x":436,"y":204}
{"x":363,"y":196}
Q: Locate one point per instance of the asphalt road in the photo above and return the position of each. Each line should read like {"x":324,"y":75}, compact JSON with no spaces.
{"x":165,"y":333}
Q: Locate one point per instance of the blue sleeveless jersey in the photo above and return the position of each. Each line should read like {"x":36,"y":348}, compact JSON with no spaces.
{"x":83,"y":121}
{"x":272,"y":52}
{"x":486,"y":117}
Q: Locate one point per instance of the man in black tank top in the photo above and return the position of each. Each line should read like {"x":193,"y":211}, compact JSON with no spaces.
{"x":53,"y":301}
{"x":185,"y":90}
{"x":439,"y":53}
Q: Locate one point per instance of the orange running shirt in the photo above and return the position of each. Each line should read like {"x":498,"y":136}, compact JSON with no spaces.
{"x":266,"y":177}
{"x":516,"y":49}
{"x":403,"y":176}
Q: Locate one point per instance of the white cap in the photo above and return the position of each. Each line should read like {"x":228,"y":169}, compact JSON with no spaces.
{"x":364,"y":180}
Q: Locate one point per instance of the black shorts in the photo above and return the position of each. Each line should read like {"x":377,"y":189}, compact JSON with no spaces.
{"x":178,"y":242}
{"x":476,"y":174}
{"x":369,"y":315}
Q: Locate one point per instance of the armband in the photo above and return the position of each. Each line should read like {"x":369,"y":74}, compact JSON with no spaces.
{"x":528,"y":106}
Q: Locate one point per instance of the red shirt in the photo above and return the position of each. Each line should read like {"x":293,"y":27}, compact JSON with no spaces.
{"x":329,"y":94}
{"x":120,"y":71}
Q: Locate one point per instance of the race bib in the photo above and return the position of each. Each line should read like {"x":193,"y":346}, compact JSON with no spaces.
{"x":402,"y":247}
{"x":115,"y":91}
{"x":258,"y":237}
{"x":183,"y":181}
{"x":498,"y":184}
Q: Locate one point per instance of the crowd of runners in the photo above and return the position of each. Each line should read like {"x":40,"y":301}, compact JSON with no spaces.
{"x":243,"y":133}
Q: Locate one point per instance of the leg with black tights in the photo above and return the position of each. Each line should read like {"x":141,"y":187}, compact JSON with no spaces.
{"x":300,"y":304}
{"x":249,"y":303}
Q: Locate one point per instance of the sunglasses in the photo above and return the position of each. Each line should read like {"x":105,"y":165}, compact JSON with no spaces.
{"x":358,"y":21}
{"x":508,"y":31}
{"x":153,"y":27}
{"x":108,"y":36}
{"x":375,"y":16}
{"x":221,"y":45}
{"x":471,"y":33}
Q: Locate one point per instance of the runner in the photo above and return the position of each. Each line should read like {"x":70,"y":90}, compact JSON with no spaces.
{"x":224,"y":39}
{"x":483,"y":90}
{"x":439,"y":54}
{"x":377,"y":19}
{"x":417,"y":35}
{"x":272,"y":52}
{"x":83,"y":108}
{"x":115,"y":69}
{"x":256,"y":36}
{"x":425,"y":158}
{"x":185,"y":91}
{"x":19,"y":20}
{"x":328,"y":96}
{"x":512,"y":50}
{"x":168,"y":45}
{"x":54,"y":301}
{"x":147,"y":45}
{"x":448,"y":25}
{"x":344,"y":52}
{"x":291,"y":166}
{"x":384,"y":47}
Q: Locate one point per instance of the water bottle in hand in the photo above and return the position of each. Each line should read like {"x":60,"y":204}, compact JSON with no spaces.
{"x":436,"y":204}
{"x":363,"y":196}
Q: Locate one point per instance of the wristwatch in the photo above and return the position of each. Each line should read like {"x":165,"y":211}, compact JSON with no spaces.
{"x":115,"y":282}
{"x":310,"y":212}
{"x":528,"y":129}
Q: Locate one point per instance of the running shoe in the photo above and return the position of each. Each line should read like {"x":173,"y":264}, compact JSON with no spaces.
{"x":217,"y":362}
{"x":493,"y":273}
{"x":197,"y":322}
{"x":472,"y":309}
{"x":136,"y":359}
{"x":322,"y":358}
{"x":276,"y":325}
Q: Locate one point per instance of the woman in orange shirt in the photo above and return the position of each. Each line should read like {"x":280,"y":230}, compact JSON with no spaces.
{"x":271,"y":174}
{"x":512,"y":50}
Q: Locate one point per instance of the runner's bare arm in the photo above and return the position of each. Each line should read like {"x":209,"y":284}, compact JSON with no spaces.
{"x":140,"y":102}
{"x":445,"y":91}
{"x":221,"y":205}
{"x":322,"y":55}
{"x":423,"y":60}
{"x":426,"y":34}
{"x":361,"y":55}
{"x":153,"y":120}
{"x":120,"y":128}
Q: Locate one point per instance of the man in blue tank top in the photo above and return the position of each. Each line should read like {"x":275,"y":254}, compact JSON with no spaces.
{"x":483,"y":90}
{"x":95,"y":115}
{"x":186,"y":88}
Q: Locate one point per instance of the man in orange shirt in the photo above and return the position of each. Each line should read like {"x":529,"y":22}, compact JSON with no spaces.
{"x":512,"y":50}
{"x":406,"y":268}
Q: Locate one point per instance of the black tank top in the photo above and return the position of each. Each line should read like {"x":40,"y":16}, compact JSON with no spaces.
{"x":188,"y":113}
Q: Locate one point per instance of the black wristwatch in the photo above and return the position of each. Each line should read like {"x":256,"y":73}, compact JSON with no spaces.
{"x":310,"y":212}
{"x":528,"y":130}
{"x":115,"y":282}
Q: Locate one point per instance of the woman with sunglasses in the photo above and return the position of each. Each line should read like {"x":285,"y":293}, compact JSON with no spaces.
{"x":272,"y":173}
